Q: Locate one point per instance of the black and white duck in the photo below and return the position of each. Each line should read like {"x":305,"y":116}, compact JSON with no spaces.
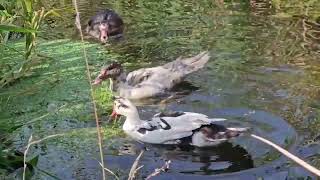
{"x":187,"y":128}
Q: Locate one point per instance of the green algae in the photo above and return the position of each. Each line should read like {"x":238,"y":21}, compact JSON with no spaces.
{"x":55,"y":98}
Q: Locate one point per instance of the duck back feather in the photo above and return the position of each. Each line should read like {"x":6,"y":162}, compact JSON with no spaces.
{"x":213,"y":134}
{"x":188,"y":65}
{"x":155,"y":81}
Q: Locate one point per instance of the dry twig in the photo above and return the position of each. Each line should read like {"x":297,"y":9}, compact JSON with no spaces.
{"x":289,"y":155}
{"x":30,"y":142}
{"x":134,"y":168}
{"x":78,"y":24}
{"x":157,"y":171}
{"x":108,"y":170}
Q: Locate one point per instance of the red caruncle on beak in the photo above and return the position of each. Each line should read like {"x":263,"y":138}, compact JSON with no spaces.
{"x":103,"y":28}
{"x":114,"y":114}
{"x":102,"y":76}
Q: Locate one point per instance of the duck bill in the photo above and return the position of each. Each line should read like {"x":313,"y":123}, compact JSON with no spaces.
{"x":104,"y":36}
{"x":97,"y":81}
{"x":103,"y":28}
{"x":114,"y":115}
{"x":101,"y":77}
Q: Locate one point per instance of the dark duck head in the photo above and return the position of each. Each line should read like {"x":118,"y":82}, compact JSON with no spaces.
{"x":105,"y":24}
{"x":113,"y":71}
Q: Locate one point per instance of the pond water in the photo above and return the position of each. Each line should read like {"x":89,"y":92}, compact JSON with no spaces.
{"x":263,"y":74}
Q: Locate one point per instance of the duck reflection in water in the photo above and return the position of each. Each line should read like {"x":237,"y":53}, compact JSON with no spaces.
{"x":223,"y":158}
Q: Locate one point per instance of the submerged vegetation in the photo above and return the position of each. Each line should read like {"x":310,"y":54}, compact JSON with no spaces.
{"x":44,"y":89}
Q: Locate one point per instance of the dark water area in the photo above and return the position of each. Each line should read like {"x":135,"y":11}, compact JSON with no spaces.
{"x":263,"y":74}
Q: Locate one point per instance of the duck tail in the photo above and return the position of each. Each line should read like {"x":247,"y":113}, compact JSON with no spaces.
{"x":196,"y":62}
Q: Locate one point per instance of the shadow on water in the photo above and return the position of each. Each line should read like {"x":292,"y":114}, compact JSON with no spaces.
{"x":263,"y":74}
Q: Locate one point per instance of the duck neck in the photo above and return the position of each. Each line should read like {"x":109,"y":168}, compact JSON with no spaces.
{"x":118,"y":81}
{"x":132,"y":121}
{"x":134,"y":118}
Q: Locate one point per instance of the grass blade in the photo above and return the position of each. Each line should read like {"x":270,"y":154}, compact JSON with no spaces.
{"x":14,"y":28}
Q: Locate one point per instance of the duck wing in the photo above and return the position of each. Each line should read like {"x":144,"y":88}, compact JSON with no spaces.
{"x":141,"y":91}
{"x":138,"y":76}
{"x":142,"y":83}
{"x":149,"y":82}
{"x":185,"y":66}
{"x":165,"y":130}
{"x":169,"y":74}
{"x":160,"y":77}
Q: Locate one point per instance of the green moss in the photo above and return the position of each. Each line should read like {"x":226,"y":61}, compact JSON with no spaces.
{"x":57,"y":91}
{"x":103,"y":97}
{"x":114,"y":130}
{"x":55,"y":98}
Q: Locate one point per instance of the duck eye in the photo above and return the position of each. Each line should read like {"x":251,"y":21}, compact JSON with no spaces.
{"x":123,"y":106}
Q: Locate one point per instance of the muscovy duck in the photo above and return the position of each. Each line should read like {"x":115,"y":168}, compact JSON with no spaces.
{"x":187,"y":128}
{"x":105,"y":24}
{"x":150,"y":82}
